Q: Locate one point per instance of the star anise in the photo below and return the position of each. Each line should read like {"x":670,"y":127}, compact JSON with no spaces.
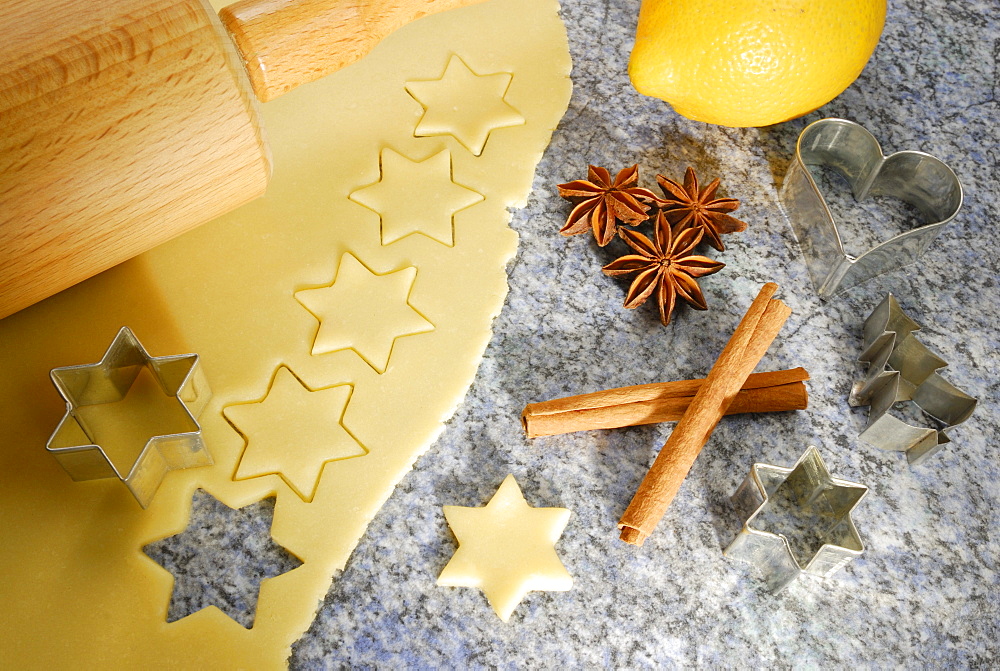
{"x":687,"y":207}
{"x":601,"y":203}
{"x":664,"y":265}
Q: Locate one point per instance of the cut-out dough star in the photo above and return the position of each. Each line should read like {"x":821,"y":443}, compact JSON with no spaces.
{"x":364,"y":311}
{"x":212,"y":566}
{"x":465,"y":105}
{"x":416,"y":197}
{"x":507,"y":549}
{"x":293,"y":432}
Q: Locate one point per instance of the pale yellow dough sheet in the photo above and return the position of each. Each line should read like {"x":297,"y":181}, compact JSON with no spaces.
{"x":77,"y":591}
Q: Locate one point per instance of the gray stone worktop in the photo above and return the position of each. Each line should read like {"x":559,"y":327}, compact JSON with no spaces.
{"x":924,"y":593}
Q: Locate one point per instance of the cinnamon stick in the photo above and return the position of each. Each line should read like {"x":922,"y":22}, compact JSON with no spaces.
{"x":755,"y":333}
{"x":774,"y":391}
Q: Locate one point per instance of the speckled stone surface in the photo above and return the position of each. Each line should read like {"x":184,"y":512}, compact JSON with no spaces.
{"x":213,"y":566}
{"x":923,"y":594}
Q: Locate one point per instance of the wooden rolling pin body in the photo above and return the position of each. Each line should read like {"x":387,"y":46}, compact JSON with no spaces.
{"x":124,"y":123}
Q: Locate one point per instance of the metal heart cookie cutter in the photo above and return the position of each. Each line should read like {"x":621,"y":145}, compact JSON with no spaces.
{"x":173,"y":437}
{"x":802,"y":506}
{"x":912,"y":176}
{"x":901,"y":368}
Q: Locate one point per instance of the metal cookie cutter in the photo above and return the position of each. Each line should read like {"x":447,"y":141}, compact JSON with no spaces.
{"x":915,"y":177}
{"x":803,"y":503}
{"x":75,"y":442}
{"x":901,"y":368}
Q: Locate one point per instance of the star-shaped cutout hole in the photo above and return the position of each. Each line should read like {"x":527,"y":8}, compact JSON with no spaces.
{"x":506,"y":549}
{"x":293,"y":432}
{"x":364,"y":311}
{"x":416,"y":197}
{"x":466,"y":105}
{"x":221,"y":558}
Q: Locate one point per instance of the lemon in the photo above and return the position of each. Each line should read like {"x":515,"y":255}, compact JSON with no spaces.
{"x":752,"y":62}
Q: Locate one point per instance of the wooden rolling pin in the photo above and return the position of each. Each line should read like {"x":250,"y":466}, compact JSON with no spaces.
{"x":124,"y":123}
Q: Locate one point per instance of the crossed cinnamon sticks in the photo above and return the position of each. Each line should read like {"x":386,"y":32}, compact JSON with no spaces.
{"x":697,"y":404}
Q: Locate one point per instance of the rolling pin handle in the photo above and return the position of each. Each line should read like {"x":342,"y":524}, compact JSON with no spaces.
{"x":287,"y":43}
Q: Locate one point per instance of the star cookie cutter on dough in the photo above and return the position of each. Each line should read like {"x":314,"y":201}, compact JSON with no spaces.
{"x":901,"y":368}
{"x":828,"y":502}
{"x":912,"y":176}
{"x":109,"y":381}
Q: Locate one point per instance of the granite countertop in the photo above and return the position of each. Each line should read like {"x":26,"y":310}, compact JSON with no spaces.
{"x":924,"y":591}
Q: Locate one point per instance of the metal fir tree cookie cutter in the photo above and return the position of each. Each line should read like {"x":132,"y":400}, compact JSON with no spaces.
{"x":74,"y":443}
{"x":912,"y":176}
{"x":803,"y":503}
{"x":901,"y":368}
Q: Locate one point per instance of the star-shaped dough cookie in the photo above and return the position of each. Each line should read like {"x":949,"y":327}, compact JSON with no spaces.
{"x":293,"y":432}
{"x":465,"y":105}
{"x":416,"y":197}
{"x":506,"y":549}
{"x":364,"y":311}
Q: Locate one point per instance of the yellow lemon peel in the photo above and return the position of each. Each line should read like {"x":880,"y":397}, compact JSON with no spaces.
{"x":752,"y":62}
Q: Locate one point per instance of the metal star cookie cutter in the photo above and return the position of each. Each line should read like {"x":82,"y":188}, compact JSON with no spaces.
{"x":912,"y":176}
{"x":108,"y":381}
{"x":822,"y":514}
{"x":901,"y":368}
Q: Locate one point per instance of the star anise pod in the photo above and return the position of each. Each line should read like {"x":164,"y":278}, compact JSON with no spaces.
{"x":602,"y":203}
{"x":687,"y":207}
{"x":664,"y":265}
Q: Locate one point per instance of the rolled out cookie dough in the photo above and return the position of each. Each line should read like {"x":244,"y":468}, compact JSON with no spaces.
{"x":77,"y":589}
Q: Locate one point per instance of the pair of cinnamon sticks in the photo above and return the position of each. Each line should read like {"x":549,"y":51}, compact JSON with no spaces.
{"x":698,"y":405}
